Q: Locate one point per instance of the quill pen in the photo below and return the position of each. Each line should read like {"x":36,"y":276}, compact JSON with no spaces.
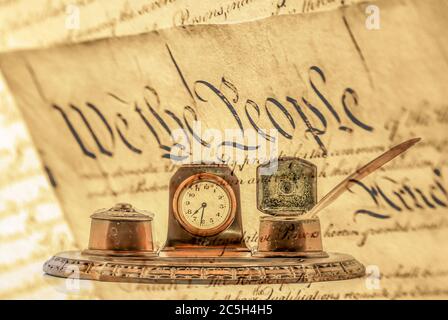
{"x":364,"y":171}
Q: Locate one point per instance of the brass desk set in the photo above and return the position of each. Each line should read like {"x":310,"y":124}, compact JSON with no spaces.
{"x":205,"y":239}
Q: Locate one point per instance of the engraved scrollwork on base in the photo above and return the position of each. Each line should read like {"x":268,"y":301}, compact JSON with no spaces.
{"x":197,"y":271}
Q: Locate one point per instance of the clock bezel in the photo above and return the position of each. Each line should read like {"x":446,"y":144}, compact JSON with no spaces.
{"x":205,"y":176}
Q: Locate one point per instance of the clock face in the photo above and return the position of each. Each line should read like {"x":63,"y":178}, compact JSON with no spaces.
{"x":204,"y":204}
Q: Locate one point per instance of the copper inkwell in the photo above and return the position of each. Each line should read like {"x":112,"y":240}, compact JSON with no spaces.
{"x":121,"y":231}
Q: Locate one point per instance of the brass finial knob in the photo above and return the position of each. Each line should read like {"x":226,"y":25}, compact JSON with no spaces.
{"x":122,"y":206}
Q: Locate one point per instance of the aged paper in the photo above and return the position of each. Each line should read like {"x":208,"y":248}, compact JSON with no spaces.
{"x":22,"y":25}
{"x":48,"y":22}
{"x":101,"y":115}
{"x":31,"y":223}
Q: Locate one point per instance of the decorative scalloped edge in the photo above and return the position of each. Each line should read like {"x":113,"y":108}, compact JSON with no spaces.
{"x":302,"y":271}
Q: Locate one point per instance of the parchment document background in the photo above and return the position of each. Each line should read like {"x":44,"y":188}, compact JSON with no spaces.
{"x":366,"y":90}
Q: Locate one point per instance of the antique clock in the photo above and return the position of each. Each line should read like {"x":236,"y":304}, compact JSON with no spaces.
{"x":204,"y":213}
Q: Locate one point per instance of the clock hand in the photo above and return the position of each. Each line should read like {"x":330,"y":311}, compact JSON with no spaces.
{"x":203,"y":205}
{"x":196,"y":210}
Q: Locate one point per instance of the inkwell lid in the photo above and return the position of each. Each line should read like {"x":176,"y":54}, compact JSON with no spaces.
{"x":286,"y":186}
{"x":122,"y":212}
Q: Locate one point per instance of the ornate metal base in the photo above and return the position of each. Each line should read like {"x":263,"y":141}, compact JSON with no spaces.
{"x":169,"y":252}
{"x":235,"y":270}
{"x":291,"y":254}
